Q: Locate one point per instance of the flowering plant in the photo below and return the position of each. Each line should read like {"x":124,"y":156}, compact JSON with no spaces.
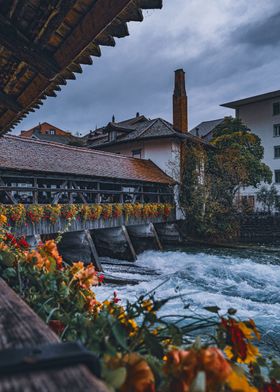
{"x":138,"y":349}
{"x":35,"y":213}
{"x":20,"y":214}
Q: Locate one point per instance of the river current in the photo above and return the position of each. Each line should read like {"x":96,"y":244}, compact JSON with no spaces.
{"x":245,"y":280}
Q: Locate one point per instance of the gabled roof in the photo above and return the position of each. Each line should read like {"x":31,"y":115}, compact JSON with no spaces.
{"x":44,"y":43}
{"x":205,"y":127}
{"x":133,"y":130}
{"x":46,"y":124}
{"x":22,"y":154}
{"x":253,"y":99}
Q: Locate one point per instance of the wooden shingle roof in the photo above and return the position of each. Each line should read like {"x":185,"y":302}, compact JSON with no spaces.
{"x":21,"y":154}
{"x":44,"y":43}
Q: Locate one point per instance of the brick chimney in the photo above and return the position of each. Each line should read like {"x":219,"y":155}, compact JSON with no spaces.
{"x":180,"y":103}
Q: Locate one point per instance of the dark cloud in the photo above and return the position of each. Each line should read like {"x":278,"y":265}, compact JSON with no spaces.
{"x":263,"y":33}
{"x":220,"y":51}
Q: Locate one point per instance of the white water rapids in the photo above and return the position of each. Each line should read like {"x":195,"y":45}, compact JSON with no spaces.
{"x":245,"y":280}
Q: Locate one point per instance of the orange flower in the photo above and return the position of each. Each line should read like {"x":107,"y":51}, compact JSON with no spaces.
{"x":215,"y":365}
{"x":76,"y":267}
{"x":182,"y":367}
{"x":87,"y":277}
{"x":3,"y":219}
{"x":139,"y":377}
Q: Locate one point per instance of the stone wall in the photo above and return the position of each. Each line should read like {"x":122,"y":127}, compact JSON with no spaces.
{"x":260,"y":228}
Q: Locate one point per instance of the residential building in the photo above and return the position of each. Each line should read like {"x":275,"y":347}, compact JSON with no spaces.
{"x":50,"y":133}
{"x":261,"y":113}
{"x":155,"y":139}
{"x":205,"y":129}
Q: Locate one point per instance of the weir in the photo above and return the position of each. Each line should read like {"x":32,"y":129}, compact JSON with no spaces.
{"x":119,"y":238}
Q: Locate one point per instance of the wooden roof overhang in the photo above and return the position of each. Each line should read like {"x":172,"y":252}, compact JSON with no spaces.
{"x":44,"y":43}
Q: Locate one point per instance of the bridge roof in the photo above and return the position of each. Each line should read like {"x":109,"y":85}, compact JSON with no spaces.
{"x":37,"y":156}
{"x":44,"y":43}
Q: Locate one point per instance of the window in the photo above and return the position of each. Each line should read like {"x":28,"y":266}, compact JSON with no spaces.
{"x":276,"y":130}
{"x":276,"y":151}
{"x":136,"y":153}
{"x":276,"y":108}
{"x":50,"y":132}
{"x":277,"y":176}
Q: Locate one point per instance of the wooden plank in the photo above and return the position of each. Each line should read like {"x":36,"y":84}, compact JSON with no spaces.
{"x":96,"y":261}
{"x":25,"y":50}
{"x":9,"y":102}
{"x":153,"y":229}
{"x":21,"y":327}
{"x":97,"y":19}
{"x":128,"y":240}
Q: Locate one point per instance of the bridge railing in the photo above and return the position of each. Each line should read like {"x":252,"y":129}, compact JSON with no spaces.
{"x":45,"y":219}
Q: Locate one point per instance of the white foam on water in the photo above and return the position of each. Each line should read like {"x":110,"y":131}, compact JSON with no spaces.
{"x":250,"y":284}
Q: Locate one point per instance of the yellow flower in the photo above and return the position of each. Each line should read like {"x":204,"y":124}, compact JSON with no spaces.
{"x":238,"y":382}
{"x":3,"y":219}
{"x":251,"y":354}
{"x":147,"y":305}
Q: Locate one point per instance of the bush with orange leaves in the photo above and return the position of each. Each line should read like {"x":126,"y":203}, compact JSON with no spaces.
{"x":139,"y":351}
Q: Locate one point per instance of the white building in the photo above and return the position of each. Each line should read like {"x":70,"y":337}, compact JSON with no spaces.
{"x":154,"y":139}
{"x":261,"y":114}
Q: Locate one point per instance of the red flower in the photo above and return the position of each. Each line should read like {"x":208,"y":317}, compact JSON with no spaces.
{"x":101,"y":278}
{"x":116,"y":299}
{"x":57,"y":326}
{"x":23,"y":243}
{"x":271,"y":387}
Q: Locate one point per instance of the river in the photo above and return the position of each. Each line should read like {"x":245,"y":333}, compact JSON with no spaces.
{"x":247,"y":280}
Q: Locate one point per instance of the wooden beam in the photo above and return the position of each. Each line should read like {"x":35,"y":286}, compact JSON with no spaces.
{"x":130,"y":245}
{"x":10,"y":102}
{"x":9,"y":194}
{"x":21,"y":327}
{"x":94,"y":23}
{"x":25,"y":50}
{"x":96,"y":261}
{"x":153,"y":229}
{"x":54,"y":21}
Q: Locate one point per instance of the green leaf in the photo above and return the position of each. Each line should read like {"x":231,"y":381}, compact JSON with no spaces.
{"x":153,"y":345}
{"x":114,"y":378}
{"x":9,"y":273}
{"x":275,"y":373}
{"x":212,"y":309}
{"x":120,"y":334}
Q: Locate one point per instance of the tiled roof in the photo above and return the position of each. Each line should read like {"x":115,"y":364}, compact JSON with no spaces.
{"x":25,"y":154}
{"x":205,"y":127}
{"x":51,"y":138}
{"x":133,"y":130}
{"x":254,"y":99}
{"x":45,"y":43}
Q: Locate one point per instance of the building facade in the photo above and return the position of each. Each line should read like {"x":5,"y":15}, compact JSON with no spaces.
{"x":261,"y":113}
{"x":50,"y":133}
{"x":154,"y":139}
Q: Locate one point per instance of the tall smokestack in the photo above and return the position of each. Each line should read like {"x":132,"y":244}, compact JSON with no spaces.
{"x":180,"y":103}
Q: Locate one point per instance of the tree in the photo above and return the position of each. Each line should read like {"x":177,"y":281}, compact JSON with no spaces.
{"x":269,"y":198}
{"x":232,"y":160}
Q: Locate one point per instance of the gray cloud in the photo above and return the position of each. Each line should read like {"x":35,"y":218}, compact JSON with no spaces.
{"x":263,"y":33}
{"x":219,"y":49}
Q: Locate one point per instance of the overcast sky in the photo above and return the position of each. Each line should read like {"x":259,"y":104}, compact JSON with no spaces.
{"x":229,"y":49}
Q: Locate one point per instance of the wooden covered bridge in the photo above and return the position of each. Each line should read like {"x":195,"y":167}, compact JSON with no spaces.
{"x":49,"y":188}
{"x":43,"y":44}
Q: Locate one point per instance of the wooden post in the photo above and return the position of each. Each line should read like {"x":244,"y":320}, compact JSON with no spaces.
{"x":130,"y":245}
{"x":153,"y":229}
{"x":35,"y":193}
{"x":96,"y":261}
{"x":98,"y":198}
{"x":20,"y":327}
